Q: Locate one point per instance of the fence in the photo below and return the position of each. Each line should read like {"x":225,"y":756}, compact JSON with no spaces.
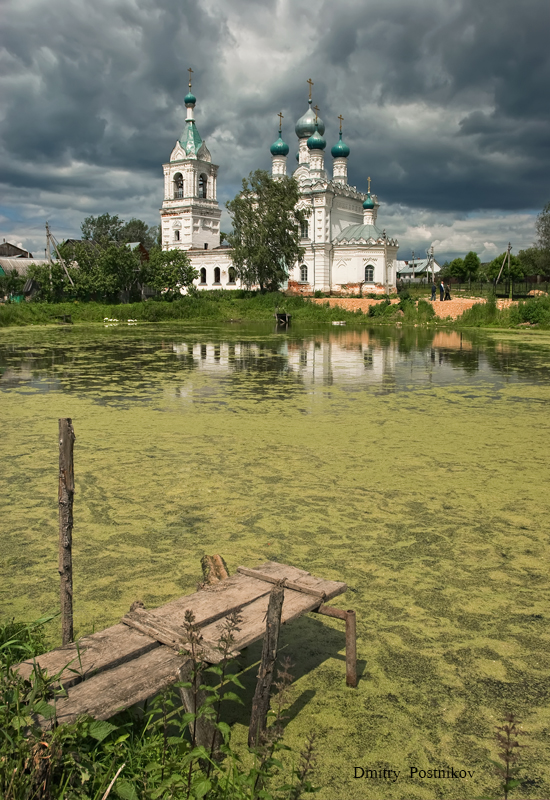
{"x":520,"y":289}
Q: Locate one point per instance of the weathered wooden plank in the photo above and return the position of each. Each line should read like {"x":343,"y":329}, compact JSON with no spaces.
{"x":297,"y":587}
{"x":92,"y":654}
{"x":275,"y":570}
{"x":252,"y":625}
{"x":118,"y":688}
{"x":147,"y":622}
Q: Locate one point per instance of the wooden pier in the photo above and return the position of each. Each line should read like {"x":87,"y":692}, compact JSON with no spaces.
{"x":125,"y":664}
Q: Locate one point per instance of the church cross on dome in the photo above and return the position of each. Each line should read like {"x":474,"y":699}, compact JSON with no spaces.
{"x":280,"y":115}
{"x":369,"y":185}
{"x":316,"y":109}
{"x":311,"y":84}
{"x":190,"y":71}
{"x":341,"y":118}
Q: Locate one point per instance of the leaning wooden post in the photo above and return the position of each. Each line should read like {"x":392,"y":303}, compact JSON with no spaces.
{"x":66,"y":494}
{"x":260,"y":703}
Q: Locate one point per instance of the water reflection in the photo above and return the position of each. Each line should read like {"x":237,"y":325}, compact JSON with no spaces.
{"x":122,"y":365}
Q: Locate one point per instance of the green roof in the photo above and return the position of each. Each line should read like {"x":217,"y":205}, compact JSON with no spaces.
{"x":354,"y":233}
{"x":190,"y":138}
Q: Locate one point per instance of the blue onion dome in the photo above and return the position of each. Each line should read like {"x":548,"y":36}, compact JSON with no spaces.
{"x":316,"y":141}
{"x":369,"y":202}
{"x":305,"y":127}
{"x":340,"y":149}
{"x":189,"y":100}
{"x":279,"y":148}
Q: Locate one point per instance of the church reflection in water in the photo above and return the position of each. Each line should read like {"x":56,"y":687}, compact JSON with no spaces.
{"x":387,"y":361}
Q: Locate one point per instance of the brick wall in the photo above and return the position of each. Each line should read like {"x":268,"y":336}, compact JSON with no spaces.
{"x":443,"y":310}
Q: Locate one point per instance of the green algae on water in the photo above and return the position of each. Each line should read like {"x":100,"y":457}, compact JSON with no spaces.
{"x":411,"y":465}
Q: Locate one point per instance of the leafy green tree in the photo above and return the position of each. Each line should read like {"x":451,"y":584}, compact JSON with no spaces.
{"x":471,"y":266}
{"x":491,"y":270}
{"x":456,"y":269}
{"x":11,"y":283}
{"x":105,"y":228}
{"x":535,"y":261}
{"x":136,"y":230}
{"x":169,"y":270}
{"x":266,"y":230}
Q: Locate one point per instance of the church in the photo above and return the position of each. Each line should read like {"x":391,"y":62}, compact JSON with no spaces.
{"x":345,"y":251}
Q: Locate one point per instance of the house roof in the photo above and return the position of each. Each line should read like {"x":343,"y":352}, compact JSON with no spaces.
{"x":21,"y":265}
{"x":362,"y":233}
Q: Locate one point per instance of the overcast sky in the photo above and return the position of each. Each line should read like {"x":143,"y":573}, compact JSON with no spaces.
{"x":445,"y":104}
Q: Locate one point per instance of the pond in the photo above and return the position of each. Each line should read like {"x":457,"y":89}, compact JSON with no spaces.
{"x":410,"y":463}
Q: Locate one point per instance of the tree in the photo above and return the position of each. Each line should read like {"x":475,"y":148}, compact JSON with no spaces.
{"x":492,"y":269}
{"x":170,"y":270}
{"x":136,"y":230}
{"x":105,"y":228}
{"x":535,"y":261}
{"x":471,"y":267}
{"x":266,"y":230}
{"x":456,"y":269}
{"x":543,"y":228}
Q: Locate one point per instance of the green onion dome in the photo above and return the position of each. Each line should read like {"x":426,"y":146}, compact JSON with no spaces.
{"x":189,"y":100}
{"x":305,"y":127}
{"x":369,"y":202}
{"x":340,"y":149}
{"x":298,"y":157}
{"x":316,"y":141}
{"x":279,"y":148}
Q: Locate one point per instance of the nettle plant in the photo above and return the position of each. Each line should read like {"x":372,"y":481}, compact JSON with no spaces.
{"x":159,"y":751}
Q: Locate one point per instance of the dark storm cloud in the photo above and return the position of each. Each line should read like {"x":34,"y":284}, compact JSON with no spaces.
{"x":445,"y":104}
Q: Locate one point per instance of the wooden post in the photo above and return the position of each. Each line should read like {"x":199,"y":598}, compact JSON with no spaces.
{"x":260,"y":703}
{"x":66,"y":494}
{"x":351,"y":649}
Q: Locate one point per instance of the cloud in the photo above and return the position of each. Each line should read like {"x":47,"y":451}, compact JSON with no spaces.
{"x":445,"y":106}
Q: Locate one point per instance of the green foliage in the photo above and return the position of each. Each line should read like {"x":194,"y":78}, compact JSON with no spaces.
{"x":542,"y":226}
{"x":535,"y":261}
{"x":139,"y":755}
{"x":170,"y":270}
{"x":491,"y":270}
{"x":136,"y":230}
{"x":105,"y":228}
{"x":508,"y":746}
{"x":471,"y":266}
{"x":11,"y":283}
{"x":266,"y":230}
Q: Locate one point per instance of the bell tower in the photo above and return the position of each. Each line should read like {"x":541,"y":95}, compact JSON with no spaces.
{"x":190,"y":213}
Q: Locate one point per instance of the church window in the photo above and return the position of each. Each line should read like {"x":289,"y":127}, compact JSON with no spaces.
{"x":203,"y":183}
{"x":203,"y":274}
{"x":304,"y":230}
{"x":369,"y":274}
{"x":177,"y":236}
{"x":303,"y":273}
{"x":232,"y":275}
{"x":216,"y":274}
{"x":178,"y":186}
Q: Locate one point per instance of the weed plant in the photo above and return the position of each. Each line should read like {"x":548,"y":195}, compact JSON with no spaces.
{"x":157,"y":752}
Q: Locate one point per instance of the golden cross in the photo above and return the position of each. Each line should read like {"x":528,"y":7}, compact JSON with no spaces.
{"x":369,"y":184}
{"x":310,"y":85}
{"x":341,"y":118}
{"x":190,"y":71}
{"x":280,"y":115}
{"x":316,"y":109}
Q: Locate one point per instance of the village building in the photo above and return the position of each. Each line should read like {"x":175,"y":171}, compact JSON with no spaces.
{"x":418,"y":270}
{"x":345,"y":250}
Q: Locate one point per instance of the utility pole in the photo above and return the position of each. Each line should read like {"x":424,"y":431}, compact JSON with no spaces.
{"x":50,"y":238}
{"x":506,"y":258}
{"x":413,"y":264}
{"x":509,"y":271}
{"x":432,"y":263}
{"x":384,"y":234}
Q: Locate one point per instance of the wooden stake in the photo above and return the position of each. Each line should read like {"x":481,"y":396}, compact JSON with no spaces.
{"x":260,"y":703}
{"x":66,"y":494}
{"x":202,"y":729}
{"x":351,"y":649}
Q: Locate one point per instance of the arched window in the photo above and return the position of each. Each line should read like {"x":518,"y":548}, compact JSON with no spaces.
{"x":369,"y":274}
{"x":203,"y":274}
{"x":303,"y":273}
{"x":216,"y":274}
{"x":178,"y":186}
{"x":203,"y":183}
{"x":304,"y":230}
{"x":232,"y":275}
{"x":177,"y":236}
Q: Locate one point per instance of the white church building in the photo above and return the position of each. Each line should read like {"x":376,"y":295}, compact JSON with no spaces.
{"x":345,"y":251}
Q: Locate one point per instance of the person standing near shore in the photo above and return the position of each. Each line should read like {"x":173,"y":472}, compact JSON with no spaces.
{"x":434,"y":290}
{"x":447,"y":292}
{"x":441,"y":291}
